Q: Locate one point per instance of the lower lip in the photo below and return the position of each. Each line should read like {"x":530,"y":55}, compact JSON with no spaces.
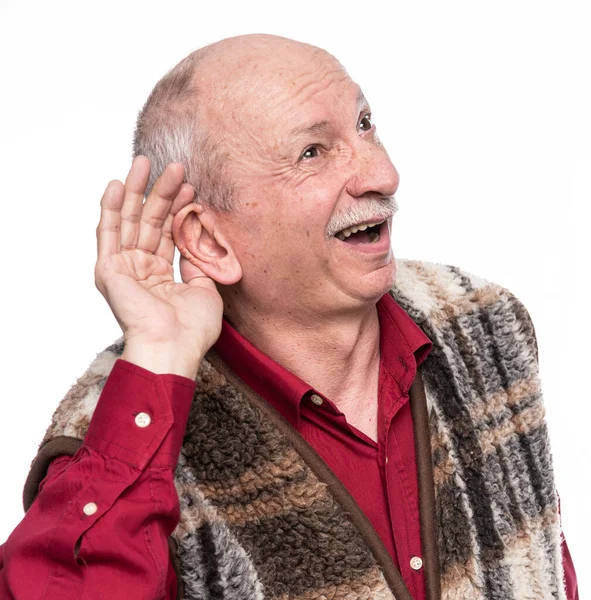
{"x":380,"y":247}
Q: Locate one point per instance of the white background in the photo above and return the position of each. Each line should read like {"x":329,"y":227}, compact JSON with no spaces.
{"x":485,"y":108}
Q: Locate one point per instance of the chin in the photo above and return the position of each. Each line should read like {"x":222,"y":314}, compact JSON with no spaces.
{"x":377,"y":283}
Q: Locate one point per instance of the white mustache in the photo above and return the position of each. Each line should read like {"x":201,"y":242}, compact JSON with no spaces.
{"x":362,"y":212}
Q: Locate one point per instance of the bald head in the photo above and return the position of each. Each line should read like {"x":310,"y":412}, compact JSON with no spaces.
{"x":192,"y":112}
{"x":258,"y":61}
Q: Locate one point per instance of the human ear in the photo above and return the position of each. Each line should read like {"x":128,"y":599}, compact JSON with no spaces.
{"x":202,"y":243}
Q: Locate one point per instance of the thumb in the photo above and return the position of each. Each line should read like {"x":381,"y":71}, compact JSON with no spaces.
{"x":190,"y":273}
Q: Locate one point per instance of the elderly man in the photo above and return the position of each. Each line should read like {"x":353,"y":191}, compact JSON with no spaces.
{"x":340,"y":428}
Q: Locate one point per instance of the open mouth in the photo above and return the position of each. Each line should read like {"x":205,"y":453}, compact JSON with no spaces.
{"x":365,"y":233}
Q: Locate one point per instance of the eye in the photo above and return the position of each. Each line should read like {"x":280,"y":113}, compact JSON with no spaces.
{"x":311,"y":152}
{"x":365,"y":124}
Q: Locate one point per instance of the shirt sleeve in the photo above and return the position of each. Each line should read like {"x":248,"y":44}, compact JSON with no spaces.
{"x":100,"y":522}
{"x":570,"y":577}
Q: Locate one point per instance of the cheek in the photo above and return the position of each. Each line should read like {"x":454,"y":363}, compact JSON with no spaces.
{"x":324,"y":180}
{"x":261,"y":237}
{"x":282,"y":223}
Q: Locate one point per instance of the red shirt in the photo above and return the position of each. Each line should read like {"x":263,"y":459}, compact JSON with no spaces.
{"x":96,"y":529}
{"x":62,"y":549}
{"x":380,"y":476}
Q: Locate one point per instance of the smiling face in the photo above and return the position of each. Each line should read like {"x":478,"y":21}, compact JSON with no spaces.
{"x":315,"y":186}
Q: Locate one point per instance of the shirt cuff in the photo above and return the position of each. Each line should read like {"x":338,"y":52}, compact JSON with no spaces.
{"x":140,"y":417}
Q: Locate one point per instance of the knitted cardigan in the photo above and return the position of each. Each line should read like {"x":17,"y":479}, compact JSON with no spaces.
{"x":262,"y":516}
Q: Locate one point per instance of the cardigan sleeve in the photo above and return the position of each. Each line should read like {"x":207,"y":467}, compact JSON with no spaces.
{"x":100,"y":520}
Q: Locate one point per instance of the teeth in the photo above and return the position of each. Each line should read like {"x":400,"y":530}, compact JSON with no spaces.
{"x":345,"y":233}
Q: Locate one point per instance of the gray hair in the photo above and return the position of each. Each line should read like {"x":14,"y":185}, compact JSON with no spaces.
{"x":168,"y":130}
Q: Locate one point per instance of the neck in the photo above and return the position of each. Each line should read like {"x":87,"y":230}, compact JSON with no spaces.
{"x":337,"y":356}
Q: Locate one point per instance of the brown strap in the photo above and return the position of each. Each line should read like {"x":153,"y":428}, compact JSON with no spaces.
{"x":176,"y":564}
{"x":60,"y":446}
{"x":420,"y":416}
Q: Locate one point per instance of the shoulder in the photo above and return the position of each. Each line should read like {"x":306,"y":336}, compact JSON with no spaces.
{"x":73,"y":414}
{"x":432,"y":284}
{"x":446,"y":298}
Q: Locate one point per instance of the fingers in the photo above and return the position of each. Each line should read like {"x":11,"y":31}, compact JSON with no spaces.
{"x":166,"y":246}
{"x":135,"y":188}
{"x":127,"y":222}
{"x":157,"y":207}
{"x":109,"y":227}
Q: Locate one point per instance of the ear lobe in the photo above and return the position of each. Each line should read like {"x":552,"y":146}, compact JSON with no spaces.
{"x":198,"y":239}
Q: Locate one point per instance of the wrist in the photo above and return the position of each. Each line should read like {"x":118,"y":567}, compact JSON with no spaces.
{"x":163,"y":358}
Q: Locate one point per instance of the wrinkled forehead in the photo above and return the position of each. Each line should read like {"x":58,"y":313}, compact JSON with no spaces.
{"x":282,"y":91}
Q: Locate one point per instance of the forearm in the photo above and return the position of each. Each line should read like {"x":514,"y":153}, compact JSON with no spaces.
{"x":100,"y":523}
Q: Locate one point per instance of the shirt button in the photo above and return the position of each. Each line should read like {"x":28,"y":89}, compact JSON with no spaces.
{"x":143,"y":419}
{"x":416,"y":563}
{"x":89,"y":509}
{"x":318,"y":401}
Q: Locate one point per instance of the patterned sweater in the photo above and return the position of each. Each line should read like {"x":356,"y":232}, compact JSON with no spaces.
{"x":262,"y":516}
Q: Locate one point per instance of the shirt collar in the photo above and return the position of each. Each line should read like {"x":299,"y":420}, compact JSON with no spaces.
{"x":281,"y":388}
{"x":403,"y":346}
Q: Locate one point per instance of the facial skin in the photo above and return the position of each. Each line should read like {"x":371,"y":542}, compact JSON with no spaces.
{"x":292,"y":181}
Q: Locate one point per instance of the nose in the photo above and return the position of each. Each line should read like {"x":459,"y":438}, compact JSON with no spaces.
{"x":372,"y":171}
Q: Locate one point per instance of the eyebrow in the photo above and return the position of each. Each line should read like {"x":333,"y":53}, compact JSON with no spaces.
{"x":361,"y":101}
{"x":319,"y":127}
{"x":322,"y":126}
